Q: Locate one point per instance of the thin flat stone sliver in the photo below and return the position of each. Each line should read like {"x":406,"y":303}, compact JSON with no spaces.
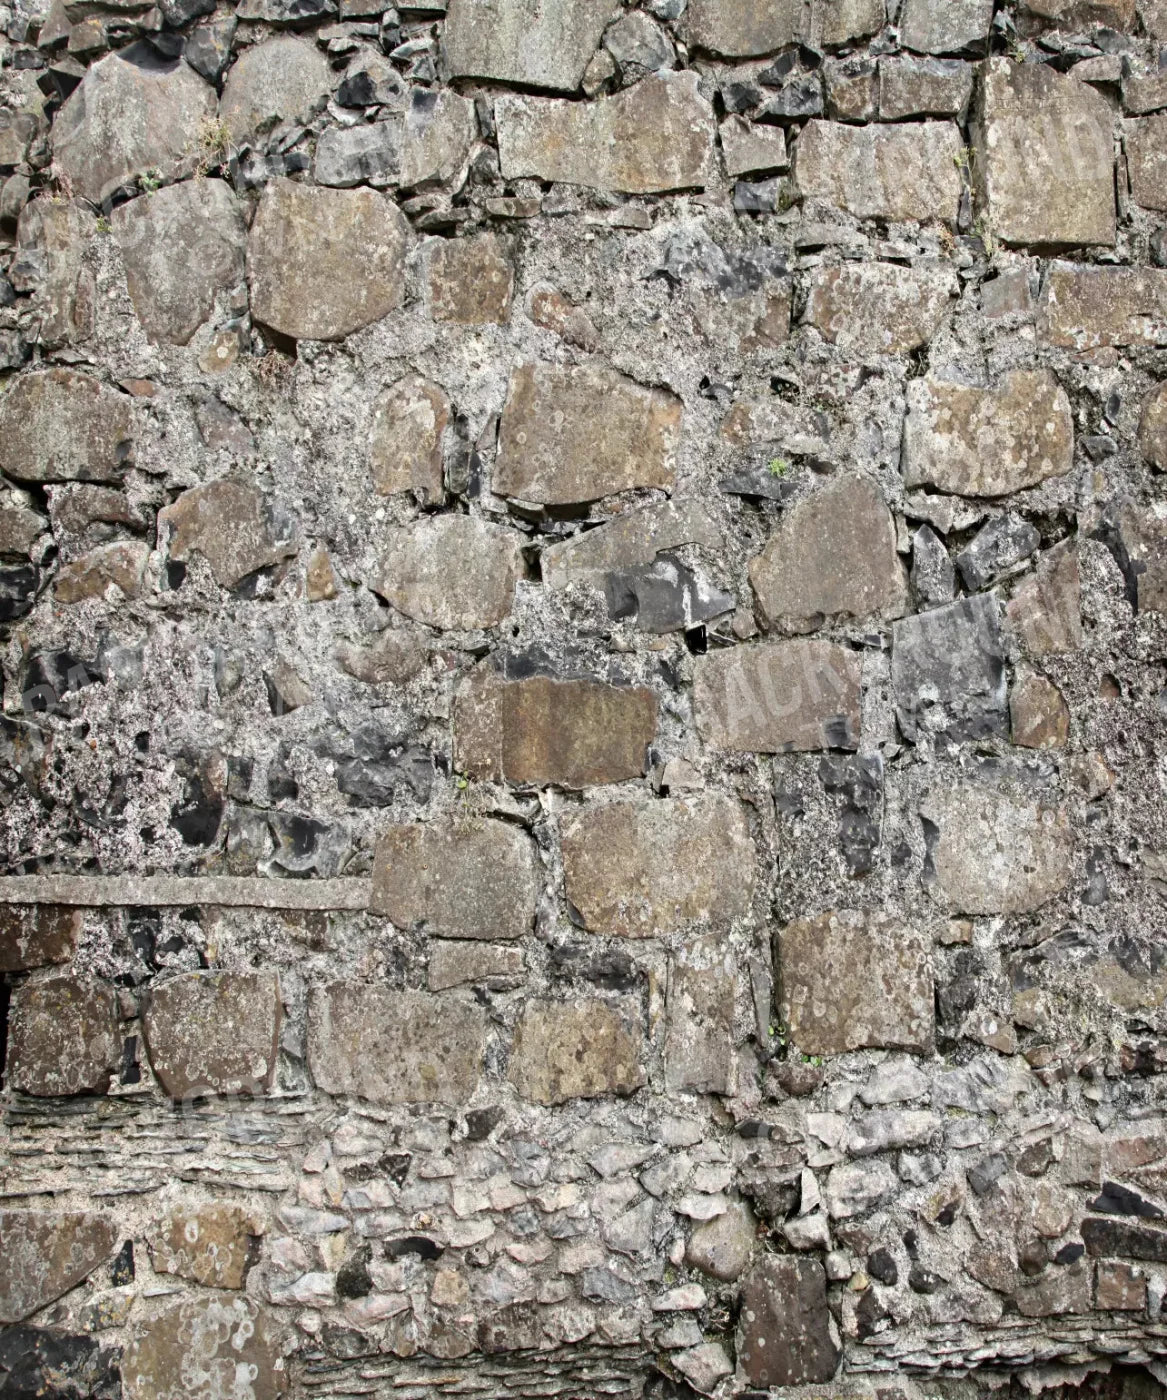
{"x":224,"y":891}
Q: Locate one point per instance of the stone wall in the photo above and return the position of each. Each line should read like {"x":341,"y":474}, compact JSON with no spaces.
{"x":584,"y":779}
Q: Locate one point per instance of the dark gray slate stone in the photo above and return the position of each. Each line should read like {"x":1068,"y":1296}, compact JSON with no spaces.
{"x":948,"y":672}
{"x":1002,"y":543}
{"x":933,"y":577}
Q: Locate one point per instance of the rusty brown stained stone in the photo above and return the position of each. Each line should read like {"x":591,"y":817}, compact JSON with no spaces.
{"x":213,"y":1244}
{"x":786,"y":1335}
{"x":36,"y":935}
{"x":209,"y":1347}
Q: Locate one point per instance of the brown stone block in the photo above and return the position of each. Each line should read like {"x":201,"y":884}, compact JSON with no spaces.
{"x":1086,"y":307}
{"x":34,"y":935}
{"x":472,"y":280}
{"x":574,"y":1050}
{"x":214,"y":1245}
{"x":56,"y":425}
{"x":786,"y":1335}
{"x":206,"y":1347}
{"x":881,"y":172}
{"x":868,"y":309}
{"x":63,"y":1037}
{"x":44,"y":1254}
{"x":405,"y":445}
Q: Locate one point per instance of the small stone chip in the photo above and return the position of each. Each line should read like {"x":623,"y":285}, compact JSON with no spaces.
{"x":460,"y":879}
{"x":576,"y":1050}
{"x":392,"y":1047}
{"x":63,"y":1037}
{"x":214,"y":1033}
{"x":644,"y":869}
{"x":779,"y":697}
{"x":571,"y":434}
{"x":849,"y":980}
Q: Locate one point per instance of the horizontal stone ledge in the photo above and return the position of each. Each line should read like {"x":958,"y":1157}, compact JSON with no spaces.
{"x":224,"y":891}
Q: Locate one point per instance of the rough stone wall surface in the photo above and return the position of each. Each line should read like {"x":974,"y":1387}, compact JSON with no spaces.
{"x":583,"y":616}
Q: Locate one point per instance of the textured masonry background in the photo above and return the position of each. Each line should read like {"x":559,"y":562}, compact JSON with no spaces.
{"x":583,"y":756}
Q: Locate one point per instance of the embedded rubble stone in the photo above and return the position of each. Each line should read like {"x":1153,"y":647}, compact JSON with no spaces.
{"x":786,"y":1335}
{"x":644,"y":869}
{"x":779,"y":697}
{"x":571,"y":434}
{"x":283,"y":79}
{"x":743,"y":28}
{"x":874,"y":172}
{"x":1143,"y":537}
{"x":439,"y":131}
{"x":453,"y":964}
{"x":833,"y":555}
{"x":1146,"y":152}
{"x":1044,"y":157}
{"x":229,"y":524}
{"x":722,"y":1247}
{"x":992,"y":852}
{"x":702,"y":987}
{"x":996,"y":550}
{"x":541,"y":45}
{"x":47,"y":1253}
{"x":576,"y":1050}
{"x":854,"y":1188}
{"x":456,"y":572}
{"x":213,"y":1244}
{"x":944,"y":26}
{"x":37,"y":935}
{"x":358,"y":155}
{"x":458,"y":879}
{"x":58,"y":425}
{"x":394,"y":1047}
{"x":987,"y":442}
{"x":181,"y":246}
{"x":749,"y":149}
{"x":394,"y":657}
{"x":323,"y":263}
{"x":576,"y":733}
{"x":133,"y":112}
{"x":656,"y":136}
{"x":51,"y":236}
{"x":629,"y":541}
{"x":1045,"y":611}
{"x":472,"y":280}
{"x":62,"y":1037}
{"x":1153,"y":428}
{"x":1088,"y":307}
{"x":1038,"y":713}
{"x":214,"y":1033}
{"x":948,"y":671}
{"x":122,"y":564}
{"x":850,"y":980}
{"x":915,"y":87}
{"x":405,"y":444}
{"x":877,"y":308}
{"x":206,"y":1346}
{"x":933,"y":575}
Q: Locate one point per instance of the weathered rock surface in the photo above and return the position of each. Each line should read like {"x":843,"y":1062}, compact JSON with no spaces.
{"x":877,"y":308}
{"x":779,"y":697}
{"x":405,"y":443}
{"x":451,"y":571}
{"x":574,"y":733}
{"x":850,"y":980}
{"x":470,"y":879}
{"x":1045,"y":611}
{"x":439,"y":130}
{"x":702,"y":988}
{"x":743,"y":28}
{"x":1153,"y":428}
{"x":214,"y":1245}
{"x":892,"y":172}
{"x":472,"y":280}
{"x":576,"y":1050}
{"x":644,"y":869}
{"x":987,"y":442}
{"x":358,"y":155}
{"x":37,"y":935}
{"x":578,"y":433}
{"x":786,"y":1335}
{"x":182,"y":246}
{"x":214,"y":1033}
{"x":394,"y":1047}
{"x":991,"y":852}
{"x":47,"y":1253}
{"x":948,"y":671}
{"x":627,"y":542}
{"x":527,"y":43}
{"x":1146,"y":154}
{"x":453,"y":964}
{"x":58,"y":425}
{"x":283,"y":79}
{"x":1044,"y":157}
{"x":946,"y":27}
{"x":63,"y":1037}
{"x":996,"y":549}
{"x":229,"y":524}
{"x":132,"y":113}
{"x":655,"y":136}
{"x":206,"y":1346}
{"x":750,"y":149}
{"x":1143,"y":537}
{"x":51,"y":236}
{"x":923,"y":87}
{"x":395,"y":657}
{"x":833,"y":555}
{"x":121,"y":565}
{"x":1086,"y":307}
{"x":323,"y":263}
{"x":722,"y":1247}
{"x":1038,"y":713}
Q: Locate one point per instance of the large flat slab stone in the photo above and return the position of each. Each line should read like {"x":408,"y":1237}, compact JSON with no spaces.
{"x":59,"y":425}
{"x":881,"y":172}
{"x":63,"y":1037}
{"x":868,"y":309}
{"x":1087,"y":308}
{"x":534,"y":43}
{"x":44,"y":1254}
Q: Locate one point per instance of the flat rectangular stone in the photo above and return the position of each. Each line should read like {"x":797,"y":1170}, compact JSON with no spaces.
{"x":944,"y":26}
{"x":178,"y":891}
{"x":394,"y":1047}
{"x":536,"y":43}
{"x":933,"y":87}
{"x":879,"y":308}
{"x":851,"y":980}
{"x":1126,"y":1239}
{"x":575,"y":733}
{"x":1146,"y":158}
{"x":454,"y":964}
{"x":873,"y":172}
{"x":580,"y":1049}
{"x":748,"y":148}
{"x":1085,"y":308}
{"x":1044,"y":157}
{"x":702,"y":986}
{"x":655,"y":136}
{"x":576,"y":433}
{"x":743,"y":28}
{"x":646,"y":868}
{"x":779,"y":697}
{"x":627,"y":542}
